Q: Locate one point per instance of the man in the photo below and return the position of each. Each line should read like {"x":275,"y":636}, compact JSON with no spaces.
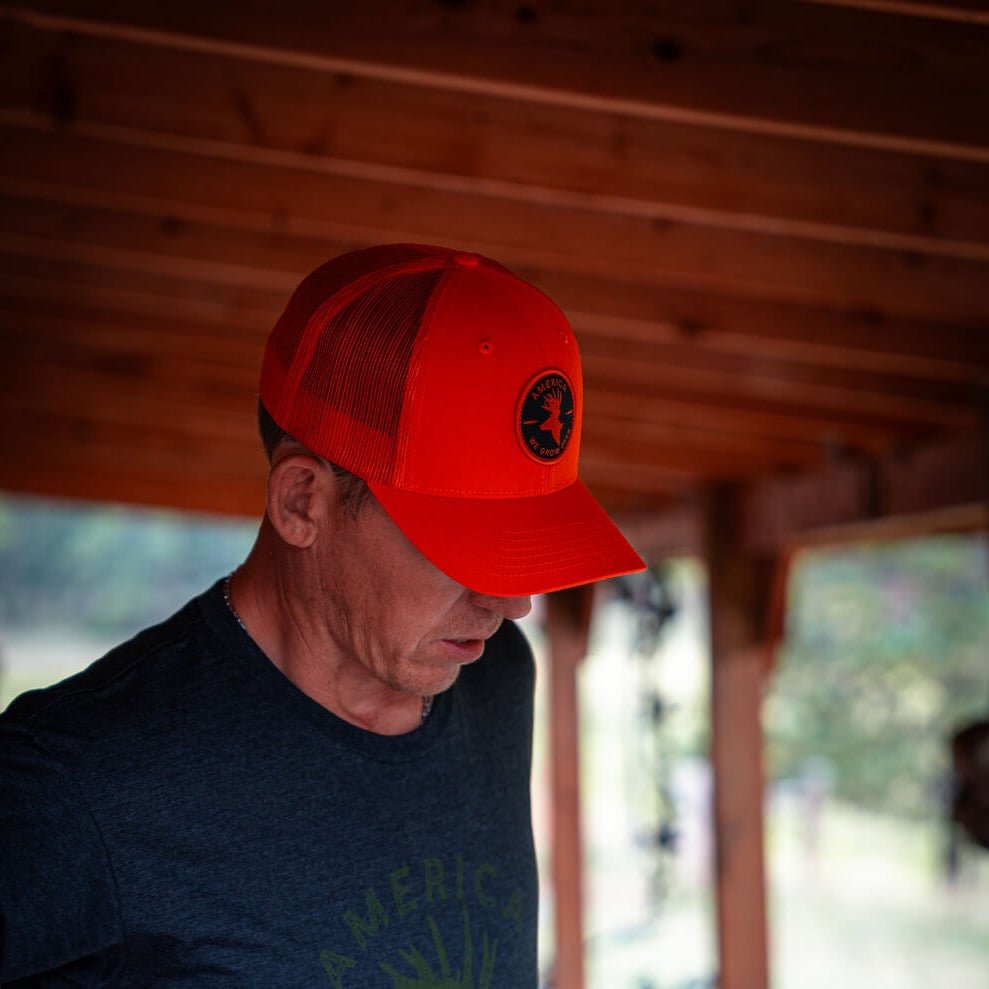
{"x":317,"y":772}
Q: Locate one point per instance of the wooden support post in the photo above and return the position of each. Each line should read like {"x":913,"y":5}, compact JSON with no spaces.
{"x":741,"y":595}
{"x":568,"y":618}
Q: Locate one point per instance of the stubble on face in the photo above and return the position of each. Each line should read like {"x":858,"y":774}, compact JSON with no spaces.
{"x":396,"y":620}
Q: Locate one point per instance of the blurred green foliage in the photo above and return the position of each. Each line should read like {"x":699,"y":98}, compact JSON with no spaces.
{"x":886,"y":654}
{"x":107,"y":570}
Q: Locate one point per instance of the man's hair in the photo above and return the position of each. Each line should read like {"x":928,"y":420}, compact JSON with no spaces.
{"x":353,"y":490}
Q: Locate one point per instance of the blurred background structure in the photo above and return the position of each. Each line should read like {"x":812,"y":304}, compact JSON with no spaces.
{"x":767,"y":219}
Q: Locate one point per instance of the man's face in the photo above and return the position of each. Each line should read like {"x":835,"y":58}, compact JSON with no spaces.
{"x":394,"y":614}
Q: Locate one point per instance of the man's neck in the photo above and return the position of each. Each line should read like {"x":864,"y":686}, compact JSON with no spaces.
{"x":260,"y":595}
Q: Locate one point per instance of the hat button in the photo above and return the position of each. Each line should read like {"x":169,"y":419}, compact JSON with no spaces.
{"x":466,"y":260}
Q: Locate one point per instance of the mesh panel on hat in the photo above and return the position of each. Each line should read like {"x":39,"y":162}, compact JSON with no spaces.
{"x":343,"y":390}
{"x":361,"y":357}
{"x":327,"y":280}
{"x":335,"y":368}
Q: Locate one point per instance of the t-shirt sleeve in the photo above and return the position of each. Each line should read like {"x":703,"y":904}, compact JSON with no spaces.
{"x":58,"y":902}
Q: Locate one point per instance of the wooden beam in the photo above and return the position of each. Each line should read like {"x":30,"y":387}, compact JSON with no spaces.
{"x":600,"y":309}
{"x":796,"y":338}
{"x":56,"y":330}
{"x":86,"y":456}
{"x":780,"y":513}
{"x":80,"y":360}
{"x":740,"y":388}
{"x":601,"y":466}
{"x":935,"y":487}
{"x":160,"y":370}
{"x":740,"y":595}
{"x":953,"y":520}
{"x":717,"y":413}
{"x":503,"y":147}
{"x":963,"y":11}
{"x":212,"y":495}
{"x":675,"y":529}
{"x":678,"y":62}
{"x":670,"y":368}
{"x":91,"y":289}
{"x":108,"y":325}
{"x":827,"y":334}
{"x":568,"y":619}
{"x":276,"y":211}
{"x":698,"y":452}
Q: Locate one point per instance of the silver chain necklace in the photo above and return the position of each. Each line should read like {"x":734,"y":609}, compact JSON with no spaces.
{"x":427,"y":702}
{"x":230,"y":604}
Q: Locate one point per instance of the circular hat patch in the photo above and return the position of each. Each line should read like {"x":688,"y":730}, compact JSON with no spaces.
{"x":546,"y":415}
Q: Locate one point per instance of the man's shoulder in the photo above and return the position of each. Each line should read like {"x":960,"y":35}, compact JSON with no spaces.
{"x":126,"y":684}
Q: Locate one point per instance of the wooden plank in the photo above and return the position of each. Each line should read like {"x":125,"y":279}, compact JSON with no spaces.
{"x":123,"y":451}
{"x":567,"y":623}
{"x":703,"y":452}
{"x":828,"y":334}
{"x":52,"y":369}
{"x":74,"y":418}
{"x":153,"y":371}
{"x":597,"y":307}
{"x":807,"y":336}
{"x":941,"y":474}
{"x":927,"y":478}
{"x":275,"y":218}
{"x":740,"y":596}
{"x":601,"y":466}
{"x":178,"y":481}
{"x":181,"y":332}
{"x":722,"y":453}
{"x":665,"y":530}
{"x":723,"y":432}
{"x":71,"y":363}
{"x":87,"y":405}
{"x":161,"y":337}
{"x":965,"y":389}
{"x":38,"y":284}
{"x":87,"y":336}
{"x":622,"y":503}
{"x":92,"y":482}
{"x":834,"y":431}
{"x":127,"y":426}
{"x":828,"y":508}
{"x":71,"y":417}
{"x":741,"y":386}
{"x":963,"y":11}
{"x":503,"y":147}
{"x":953,"y":520}
{"x":841,"y":75}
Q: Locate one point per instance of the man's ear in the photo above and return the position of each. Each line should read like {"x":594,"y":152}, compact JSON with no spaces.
{"x":297,"y":497}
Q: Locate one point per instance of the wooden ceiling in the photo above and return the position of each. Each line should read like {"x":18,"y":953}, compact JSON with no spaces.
{"x":768,"y":222}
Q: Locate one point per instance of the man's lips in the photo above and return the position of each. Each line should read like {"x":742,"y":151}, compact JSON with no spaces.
{"x":467,"y":649}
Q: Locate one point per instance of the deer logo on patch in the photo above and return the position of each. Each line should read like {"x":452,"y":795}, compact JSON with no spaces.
{"x":546,"y":416}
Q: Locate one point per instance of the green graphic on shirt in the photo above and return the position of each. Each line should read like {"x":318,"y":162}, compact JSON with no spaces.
{"x":406,"y":909}
{"x":442,"y":975}
{"x":336,"y":966}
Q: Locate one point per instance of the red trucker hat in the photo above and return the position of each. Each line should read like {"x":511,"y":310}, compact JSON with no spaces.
{"x":453,"y":388}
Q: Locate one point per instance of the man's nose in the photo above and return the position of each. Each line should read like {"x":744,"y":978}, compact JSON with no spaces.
{"x":514,"y":607}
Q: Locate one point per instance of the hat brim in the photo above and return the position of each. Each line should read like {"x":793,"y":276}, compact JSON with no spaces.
{"x":513,"y":546}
